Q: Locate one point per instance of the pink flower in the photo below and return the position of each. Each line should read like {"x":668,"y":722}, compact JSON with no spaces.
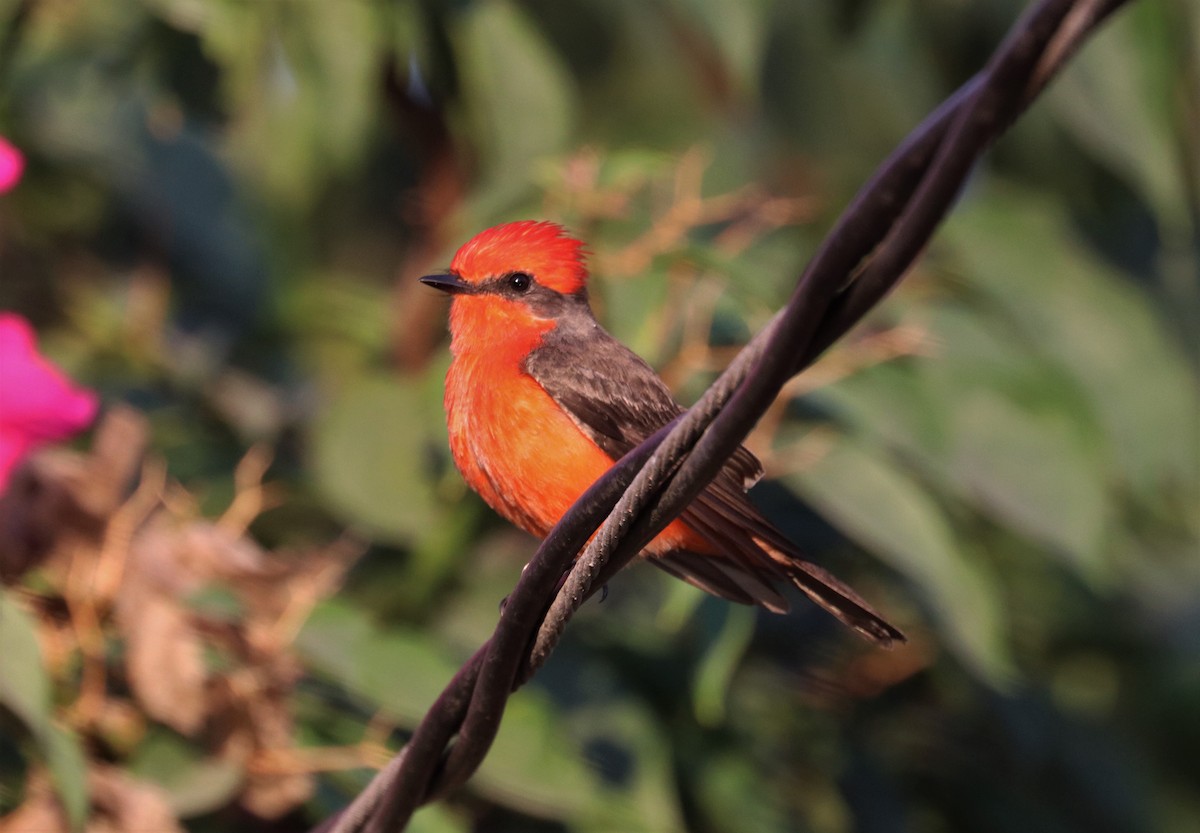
{"x":38,"y":404}
{"x":12,"y":165}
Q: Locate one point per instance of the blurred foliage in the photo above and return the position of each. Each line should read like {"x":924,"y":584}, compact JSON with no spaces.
{"x":226,"y":207}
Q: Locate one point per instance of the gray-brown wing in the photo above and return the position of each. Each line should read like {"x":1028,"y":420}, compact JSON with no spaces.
{"x":618,"y":400}
{"x":612,"y":394}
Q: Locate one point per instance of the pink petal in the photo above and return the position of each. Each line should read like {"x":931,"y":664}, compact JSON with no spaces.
{"x":12,"y":165}
{"x":38,"y":403}
{"x":13,"y":447}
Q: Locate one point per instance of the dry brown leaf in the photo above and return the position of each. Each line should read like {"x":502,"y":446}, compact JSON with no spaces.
{"x":41,"y":507}
{"x":136,"y":562}
{"x":121,"y":804}
{"x":164,"y":660}
{"x":39,"y":813}
{"x":178,"y":558}
{"x":279,"y":599}
{"x":58,"y":498}
{"x":115,"y":457}
{"x":272,"y":795}
{"x":258,"y":730}
{"x":248,"y":707}
{"x":120,"y":725}
{"x":165,"y":656}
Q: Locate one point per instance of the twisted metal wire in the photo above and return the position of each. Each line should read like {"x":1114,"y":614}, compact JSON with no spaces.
{"x":862,"y":259}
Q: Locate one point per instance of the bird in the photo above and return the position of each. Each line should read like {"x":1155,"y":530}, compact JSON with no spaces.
{"x":541,"y":401}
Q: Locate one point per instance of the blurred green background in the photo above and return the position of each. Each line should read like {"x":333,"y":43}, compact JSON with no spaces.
{"x":227,"y":204}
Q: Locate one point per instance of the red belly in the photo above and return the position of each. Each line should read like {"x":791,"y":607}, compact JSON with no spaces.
{"x":524,"y":456}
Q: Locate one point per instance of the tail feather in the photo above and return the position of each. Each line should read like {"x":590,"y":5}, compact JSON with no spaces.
{"x":841,"y":600}
{"x":749,"y":546}
{"x":722,"y":577}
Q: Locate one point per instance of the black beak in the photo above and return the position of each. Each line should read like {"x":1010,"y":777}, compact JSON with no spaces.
{"x":450,"y":284}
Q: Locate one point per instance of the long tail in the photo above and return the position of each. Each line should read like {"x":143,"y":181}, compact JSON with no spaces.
{"x":754,"y":556}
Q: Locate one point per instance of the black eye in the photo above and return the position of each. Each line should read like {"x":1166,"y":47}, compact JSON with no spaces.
{"x":519,"y":282}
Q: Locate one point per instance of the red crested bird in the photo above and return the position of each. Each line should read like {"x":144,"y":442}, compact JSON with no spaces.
{"x":541,"y":400}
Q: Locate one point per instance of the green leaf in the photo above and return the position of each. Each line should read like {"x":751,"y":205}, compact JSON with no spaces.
{"x":344,"y":320}
{"x":1116,"y":99}
{"x":68,"y":769}
{"x":710,"y":692}
{"x":400,"y":670}
{"x":894,"y":405}
{"x":368,"y":455}
{"x":679,"y":604}
{"x":639,"y":794}
{"x":633,"y":311}
{"x":25,"y":691}
{"x":194,"y":784}
{"x":517,"y":94}
{"x":534,"y":765}
{"x":1032,"y":471}
{"x":737,"y":31}
{"x":996,"y":425}
{"x":437,"y":818}
{"x":1078,"y":313}
{"x":737,"y":795}
{"x":304,"y":73}
{"x":24,"y":685}
{"x":886,"y":511}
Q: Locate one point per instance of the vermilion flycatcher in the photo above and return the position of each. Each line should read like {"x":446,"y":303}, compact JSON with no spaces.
{"x":540,"y":401}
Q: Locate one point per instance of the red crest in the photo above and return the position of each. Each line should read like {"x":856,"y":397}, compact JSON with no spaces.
{"x":554,"y":258}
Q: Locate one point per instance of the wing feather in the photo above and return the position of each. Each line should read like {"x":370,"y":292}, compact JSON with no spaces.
{"x":618,"y":400}
{"x":731,"y":522}
{"x":612,"y":394}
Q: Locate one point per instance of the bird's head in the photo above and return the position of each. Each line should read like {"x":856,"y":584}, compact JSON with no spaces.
{"x":514,"y":279}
